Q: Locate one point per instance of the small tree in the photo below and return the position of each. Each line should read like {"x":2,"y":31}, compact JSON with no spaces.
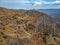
{"x":45,"y":34}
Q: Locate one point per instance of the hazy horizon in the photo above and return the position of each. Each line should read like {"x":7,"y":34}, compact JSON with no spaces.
{"x":30,"y":4}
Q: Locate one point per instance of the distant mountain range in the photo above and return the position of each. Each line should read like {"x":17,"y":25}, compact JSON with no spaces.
{"x":55,"y":13}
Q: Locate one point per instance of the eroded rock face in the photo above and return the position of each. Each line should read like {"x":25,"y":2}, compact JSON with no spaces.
{"x":19,"y":28}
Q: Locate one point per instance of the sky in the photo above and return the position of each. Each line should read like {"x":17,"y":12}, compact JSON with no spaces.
{"x":30,"y":4}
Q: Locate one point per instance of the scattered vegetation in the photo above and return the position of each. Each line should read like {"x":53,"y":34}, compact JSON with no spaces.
{"x":27,"y":28}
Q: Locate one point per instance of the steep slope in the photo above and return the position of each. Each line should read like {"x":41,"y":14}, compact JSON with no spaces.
{"x":41,"y":19}
{"x":20,"y":28}
{"x":44,"y":23}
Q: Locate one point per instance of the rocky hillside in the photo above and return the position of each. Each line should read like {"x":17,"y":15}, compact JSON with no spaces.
{"x":42,"y":20}
{"x":20,"y":28}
